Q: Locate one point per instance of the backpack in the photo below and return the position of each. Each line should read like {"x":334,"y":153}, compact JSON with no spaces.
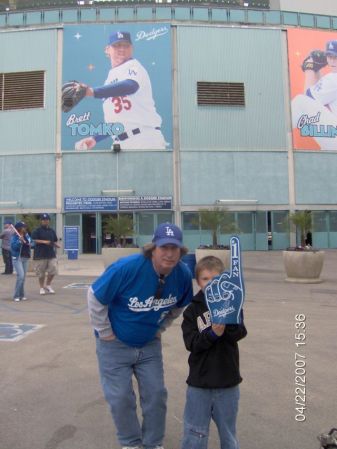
{"x":328,"y":440}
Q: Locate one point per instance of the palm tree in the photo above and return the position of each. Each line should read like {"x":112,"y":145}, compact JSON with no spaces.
{"x":32,"y":221}
{"x":121,"y":226}
{"x":302,"y":220}
{"x":216,"y":219}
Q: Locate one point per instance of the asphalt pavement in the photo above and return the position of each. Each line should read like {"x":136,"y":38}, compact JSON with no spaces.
{"x":50,"y":392}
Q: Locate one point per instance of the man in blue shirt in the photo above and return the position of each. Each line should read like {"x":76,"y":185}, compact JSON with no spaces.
{"x":130,"y":305}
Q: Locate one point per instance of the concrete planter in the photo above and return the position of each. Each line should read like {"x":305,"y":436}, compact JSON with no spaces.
{"x":303,"y":266}
{"x":222,"y":254}
{"x":110,"y":255}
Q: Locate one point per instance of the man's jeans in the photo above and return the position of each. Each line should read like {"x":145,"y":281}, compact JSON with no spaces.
{"x":21,"y":266}
{"x":204,"y":404}
{"x":117,"y":363}
{"x":7,"y":258}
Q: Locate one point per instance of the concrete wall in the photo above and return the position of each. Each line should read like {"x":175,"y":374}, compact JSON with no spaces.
{"x":250,"y":56}
{"x":148,"y":173}
{"x":209,"y":176}
{"x":316,"y":177}
{"x":30,"y":130}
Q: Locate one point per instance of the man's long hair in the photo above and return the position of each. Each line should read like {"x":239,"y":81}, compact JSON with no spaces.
{"x":149,"y":247}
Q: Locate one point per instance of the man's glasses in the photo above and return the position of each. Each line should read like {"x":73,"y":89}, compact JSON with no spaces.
{"x":160,"y":288}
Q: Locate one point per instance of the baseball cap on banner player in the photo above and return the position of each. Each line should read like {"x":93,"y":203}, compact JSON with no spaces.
{"x":168,"y":234}
{"x":119,"y":36}
{"x":331,"y":48}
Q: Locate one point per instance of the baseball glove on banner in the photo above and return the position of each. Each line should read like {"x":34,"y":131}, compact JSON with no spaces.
{"x":315,"y":61}
{"x":72,"y":93}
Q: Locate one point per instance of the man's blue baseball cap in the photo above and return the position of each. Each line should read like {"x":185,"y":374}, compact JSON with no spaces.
{"x":6,"y":222}
{"x":119,"y":36}
{"x":45,"y":217}
{"x":168,"y":234}
{"x":331,"y":48}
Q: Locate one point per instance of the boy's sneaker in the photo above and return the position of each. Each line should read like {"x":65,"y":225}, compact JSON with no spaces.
{"x":49,"y":290}
{"x":16,"y":299}
{"x":24,"y":299}
{"x":42,"y":291}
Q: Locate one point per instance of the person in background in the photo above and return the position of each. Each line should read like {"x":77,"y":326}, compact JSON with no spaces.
{"x":6,"y":235}
{"x":20,"y":249}
{"x":45,"y":242}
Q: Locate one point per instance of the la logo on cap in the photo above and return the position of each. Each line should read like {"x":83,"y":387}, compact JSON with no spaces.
{"x":120,"y":35}
{"x":169,"y":232}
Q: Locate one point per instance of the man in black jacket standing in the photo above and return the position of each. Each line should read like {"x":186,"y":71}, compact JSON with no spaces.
{"x":214,"y":375}
{"x":45,"y":240}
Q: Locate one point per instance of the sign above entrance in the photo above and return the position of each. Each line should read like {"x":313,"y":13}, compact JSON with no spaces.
{"x":90,"y":203}
{"x":144,"y":202}
{"x":112,"y":203}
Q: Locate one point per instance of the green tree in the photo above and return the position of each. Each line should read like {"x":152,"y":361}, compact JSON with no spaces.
{"x":217,"y":220}
{"x":121,"y":226}
{"x":32,"y":221}
{"x":302,"y":221}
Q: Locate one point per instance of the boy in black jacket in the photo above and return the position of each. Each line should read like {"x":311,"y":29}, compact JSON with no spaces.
{"x":214,"y":375}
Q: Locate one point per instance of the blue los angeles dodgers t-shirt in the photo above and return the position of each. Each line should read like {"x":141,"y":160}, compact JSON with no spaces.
{"x":128,"y":288}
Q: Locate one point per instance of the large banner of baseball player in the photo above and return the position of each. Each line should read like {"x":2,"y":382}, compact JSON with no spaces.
{"x":117,"y":87}
{"x":313,"y":84}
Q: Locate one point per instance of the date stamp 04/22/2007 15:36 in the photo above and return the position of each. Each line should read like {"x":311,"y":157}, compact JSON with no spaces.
{"x":300,"y":367}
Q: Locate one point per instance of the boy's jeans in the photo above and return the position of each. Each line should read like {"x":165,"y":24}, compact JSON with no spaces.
{"x":117,"y":363}
{"x":204,"y":404}
{"x":20,"y":264}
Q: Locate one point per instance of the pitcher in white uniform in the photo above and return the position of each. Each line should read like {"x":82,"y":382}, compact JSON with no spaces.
{"x":315,"y":112}
{"x":127,"y":100}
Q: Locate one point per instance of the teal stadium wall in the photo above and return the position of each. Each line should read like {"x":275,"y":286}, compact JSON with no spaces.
{"x":222,"y":152}
{"x":89,"y":174}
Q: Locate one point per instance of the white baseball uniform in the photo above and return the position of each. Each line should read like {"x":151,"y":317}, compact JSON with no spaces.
{"x":316,"y":116}
{"x":325,"y":91}
{"x":137,"y":111}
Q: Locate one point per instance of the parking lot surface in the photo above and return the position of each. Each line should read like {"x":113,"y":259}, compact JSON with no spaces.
{"x":50,"y":392}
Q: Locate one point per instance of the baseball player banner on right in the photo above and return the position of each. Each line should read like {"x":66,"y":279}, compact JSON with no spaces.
{"x":313,"y":84}
{"x":117,"y":87}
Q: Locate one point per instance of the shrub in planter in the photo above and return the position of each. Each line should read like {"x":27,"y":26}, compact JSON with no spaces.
{"x":121,"y":227}
{"x":216,"y":220}
{"x":303,"y":264}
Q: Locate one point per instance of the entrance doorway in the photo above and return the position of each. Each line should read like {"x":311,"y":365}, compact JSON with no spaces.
{"x":89,"y":233}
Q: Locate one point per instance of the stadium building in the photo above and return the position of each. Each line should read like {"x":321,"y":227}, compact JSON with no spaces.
{"x":243,"y":122}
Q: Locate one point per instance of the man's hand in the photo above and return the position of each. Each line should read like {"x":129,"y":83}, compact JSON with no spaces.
{"x":108,"y":338}
{"x":44,"y":242}
{"x":85,"y":144}
{"x":225,"y":293}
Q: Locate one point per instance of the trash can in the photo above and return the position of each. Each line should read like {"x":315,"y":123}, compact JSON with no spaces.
{"x":190,"y":260}
{"x":72,"y":254}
